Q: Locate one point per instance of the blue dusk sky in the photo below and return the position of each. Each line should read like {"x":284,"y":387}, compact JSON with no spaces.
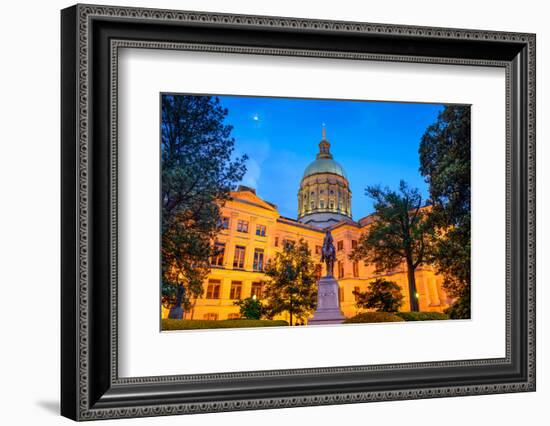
{"x":375,"y":142}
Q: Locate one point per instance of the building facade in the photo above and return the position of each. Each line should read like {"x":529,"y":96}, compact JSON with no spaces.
{"x":253,"y":231}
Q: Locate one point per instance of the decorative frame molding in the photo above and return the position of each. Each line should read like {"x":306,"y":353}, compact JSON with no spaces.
{"x":91,"y":37}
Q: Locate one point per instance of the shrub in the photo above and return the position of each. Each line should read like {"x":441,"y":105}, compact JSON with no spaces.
{"x":250,"y":308}
{"x":460,"y":309}
{"x":382,"y":295}
{"x":368,"y":317}
{"x":422,"y":316}
{"x":172,"y":324}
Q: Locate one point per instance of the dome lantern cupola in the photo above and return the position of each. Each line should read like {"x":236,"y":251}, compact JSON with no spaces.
{"x":324,"y":147}
{"x":324,"y":197}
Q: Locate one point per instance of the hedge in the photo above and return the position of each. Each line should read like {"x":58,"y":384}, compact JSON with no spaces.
{"x":173,"y":324}
{"x":369,"y":317}
{"x":422,"y":316}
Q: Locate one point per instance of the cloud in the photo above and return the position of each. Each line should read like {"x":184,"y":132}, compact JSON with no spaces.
{"x":258,"y":151}
{"x":253,"y":172}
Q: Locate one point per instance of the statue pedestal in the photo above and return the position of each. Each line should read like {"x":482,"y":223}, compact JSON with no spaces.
{"x":328,"y":308}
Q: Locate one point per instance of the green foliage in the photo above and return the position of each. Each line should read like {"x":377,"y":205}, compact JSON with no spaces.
{"x":367,"y":317}
{"x":445,"y":163}
{"x":400,"y":233}
{"x":422,"y":316}
{"x":461,"y":308}
{"x":197,"y":175}
{"x":172,"y":324}
{"x":292,"y":285}
{"x":250,"y":308}
{"x":382,"y":295}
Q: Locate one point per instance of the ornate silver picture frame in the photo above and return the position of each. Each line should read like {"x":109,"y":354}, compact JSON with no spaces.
{"x":91,"y":37}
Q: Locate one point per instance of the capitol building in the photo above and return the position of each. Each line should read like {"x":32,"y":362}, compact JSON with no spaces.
{"x":254,"y":231}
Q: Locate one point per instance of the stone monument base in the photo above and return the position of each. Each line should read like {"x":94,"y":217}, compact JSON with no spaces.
{"x":328,"y":309}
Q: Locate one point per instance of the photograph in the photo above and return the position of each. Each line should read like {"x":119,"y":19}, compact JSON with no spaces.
{"x":280,"y":212}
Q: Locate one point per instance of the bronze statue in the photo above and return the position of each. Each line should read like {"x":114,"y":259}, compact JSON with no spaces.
{"x":328,"y":253}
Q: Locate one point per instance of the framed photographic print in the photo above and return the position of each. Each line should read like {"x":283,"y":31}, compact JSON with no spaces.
{"x":263,"y":212}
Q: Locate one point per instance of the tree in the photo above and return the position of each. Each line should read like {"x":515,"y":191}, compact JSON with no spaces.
{"x":198,"y":173}
{"x":382,"y":295}
{"x":250,"y":308}
{"x":445,"y":163}
{"x":292,"y":285}
{"x":400,"y":233}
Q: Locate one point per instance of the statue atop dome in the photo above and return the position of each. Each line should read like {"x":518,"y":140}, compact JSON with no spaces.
{"x":324,"y":146}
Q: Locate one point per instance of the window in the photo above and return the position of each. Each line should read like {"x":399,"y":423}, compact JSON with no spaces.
{"x":260,"y":230}
{"x":235,"y":292}
{"x":340,"y":269}
{"x":211,"y":316}
{"x":312,"y":205}
{"x":238,"y":260}
{"x":340,"y":245}
{"x":312,"y":193}
{"x":321,"y":204}
{"x":332,"y":192}
{"x":276,"y":241}
{"x":332,"y":205}
{"x":213,"y":289}
{"x":353,"y":244}
{"x":355,"y":269}
{"x":356,"y":293}
{"x":242,"y":226}
{"x":224,"y":222}
{"x":321,"y":192}
{"x":258,"y":259}
{"x":234,"y":315}
{"x":318,"y":249}
{"x":219,"y":252}
{"x":340,"y":294}
{"x":256,"y":290}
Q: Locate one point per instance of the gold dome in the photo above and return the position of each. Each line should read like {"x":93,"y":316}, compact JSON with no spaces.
{"x":325,"y":165}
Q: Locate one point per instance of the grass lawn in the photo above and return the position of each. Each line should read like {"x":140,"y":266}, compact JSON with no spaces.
{"x":172,"y":324}
{"x":422,"y":316}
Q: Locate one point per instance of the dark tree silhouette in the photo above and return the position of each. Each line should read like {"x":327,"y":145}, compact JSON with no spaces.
{"x":400,"y":233}
{"x":445,"y":162}
{"x":198,"y":173}
{"x":292,"y":286}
